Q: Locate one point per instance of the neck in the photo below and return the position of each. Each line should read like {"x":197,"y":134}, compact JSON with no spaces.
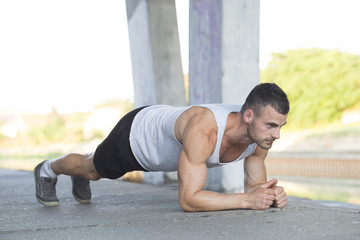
{"x":236,"y":130}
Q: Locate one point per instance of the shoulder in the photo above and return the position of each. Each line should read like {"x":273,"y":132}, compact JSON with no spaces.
{"x":198,"y":114}
{"x":198,"y":119}
{"x":196,"y":130}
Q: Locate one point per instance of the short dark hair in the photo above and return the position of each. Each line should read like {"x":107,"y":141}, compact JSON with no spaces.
{"x":266,"y":94}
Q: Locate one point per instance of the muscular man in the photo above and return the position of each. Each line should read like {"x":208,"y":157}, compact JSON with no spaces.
{"x":189,"y":140}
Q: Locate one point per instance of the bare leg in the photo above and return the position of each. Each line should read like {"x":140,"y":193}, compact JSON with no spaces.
{"x":76,"y":165}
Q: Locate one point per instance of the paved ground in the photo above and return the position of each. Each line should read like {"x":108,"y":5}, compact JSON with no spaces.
{"x":123,"y":210}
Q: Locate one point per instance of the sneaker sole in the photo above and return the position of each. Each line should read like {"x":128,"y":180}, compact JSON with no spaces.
{"x":47,"y":204}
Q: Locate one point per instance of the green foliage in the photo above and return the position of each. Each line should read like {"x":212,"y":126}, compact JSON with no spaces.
{"x":14,"y":157}
{"x":97,"y":134}
{"x":74,"y":127}
{"x":320,"y":83}
{"x":53,"y":131}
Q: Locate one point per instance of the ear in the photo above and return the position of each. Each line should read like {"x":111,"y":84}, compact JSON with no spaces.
{"x":248,"y":116}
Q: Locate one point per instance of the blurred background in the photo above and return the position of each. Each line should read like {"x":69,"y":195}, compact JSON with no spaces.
{"x":65,"y":65}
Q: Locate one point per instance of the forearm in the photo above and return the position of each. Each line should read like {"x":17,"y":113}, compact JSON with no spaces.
{"x":212,"y":201}
{"x":251,"y":188}
{"x":255,"y":170}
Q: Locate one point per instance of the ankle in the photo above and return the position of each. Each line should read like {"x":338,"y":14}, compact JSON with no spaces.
{"x":46,"y":170}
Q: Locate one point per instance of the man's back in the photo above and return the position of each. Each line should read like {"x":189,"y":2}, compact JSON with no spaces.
{"x":152,"y":139}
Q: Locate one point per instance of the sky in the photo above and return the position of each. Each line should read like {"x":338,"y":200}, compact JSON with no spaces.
{"x":74,"y":54}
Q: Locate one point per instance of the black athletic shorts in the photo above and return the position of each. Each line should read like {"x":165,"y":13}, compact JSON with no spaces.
{"x":113,"y":157}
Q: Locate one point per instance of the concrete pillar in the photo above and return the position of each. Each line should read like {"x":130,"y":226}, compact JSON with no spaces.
{"x":240,"y":63}
{"x":205,"y":58}
{"x":141,"y":52}
{"x":155,"y":57}
{"x":241,"y":30}
{"x":223,"y":64}
{"x":155,"y":52}
{"x":205,"y":55}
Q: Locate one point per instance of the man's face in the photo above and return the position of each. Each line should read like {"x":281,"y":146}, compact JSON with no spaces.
{"x":265,"y":129}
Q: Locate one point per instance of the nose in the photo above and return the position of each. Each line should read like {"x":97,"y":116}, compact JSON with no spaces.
{"x":276,"y":134}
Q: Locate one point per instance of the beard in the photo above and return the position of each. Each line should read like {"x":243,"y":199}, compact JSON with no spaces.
{"x":265,"y":143}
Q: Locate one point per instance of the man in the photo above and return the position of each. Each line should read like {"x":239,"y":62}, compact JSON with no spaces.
{"x":189,"y":140}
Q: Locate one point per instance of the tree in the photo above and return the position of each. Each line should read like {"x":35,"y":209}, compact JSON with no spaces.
{"x":320,"y":84}
{"x":53,"y":131}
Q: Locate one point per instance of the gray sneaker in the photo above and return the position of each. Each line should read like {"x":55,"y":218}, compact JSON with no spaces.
{"x":81,"y":189}
{"x":45,"y":188}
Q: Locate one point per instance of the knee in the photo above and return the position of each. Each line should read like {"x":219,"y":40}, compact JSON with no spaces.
{"x":94,"y":176}
{"x":90,"y":170}
{"x":90,"y":174}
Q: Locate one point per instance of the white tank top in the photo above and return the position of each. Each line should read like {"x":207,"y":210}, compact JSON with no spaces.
{"x":155,"y":146}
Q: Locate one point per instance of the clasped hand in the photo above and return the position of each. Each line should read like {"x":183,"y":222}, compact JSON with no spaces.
{"x":269,"y":194}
